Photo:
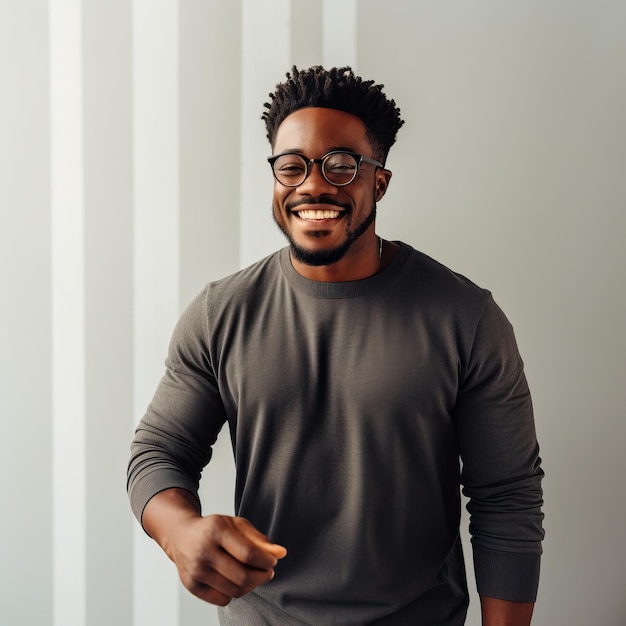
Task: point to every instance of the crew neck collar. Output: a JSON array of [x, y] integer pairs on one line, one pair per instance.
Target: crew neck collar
[[349, 289]]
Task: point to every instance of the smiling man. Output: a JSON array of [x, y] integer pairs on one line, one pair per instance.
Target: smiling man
[[363, 384]]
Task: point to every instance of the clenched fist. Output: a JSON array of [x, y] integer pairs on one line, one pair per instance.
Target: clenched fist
[[218, 557]]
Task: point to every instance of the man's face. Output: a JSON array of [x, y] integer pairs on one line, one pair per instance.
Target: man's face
[[324, 223]]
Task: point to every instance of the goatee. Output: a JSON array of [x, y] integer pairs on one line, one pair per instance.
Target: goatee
[[317, 258]]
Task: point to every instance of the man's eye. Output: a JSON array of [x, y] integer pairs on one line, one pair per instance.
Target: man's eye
[[340, 167], [291, 169]]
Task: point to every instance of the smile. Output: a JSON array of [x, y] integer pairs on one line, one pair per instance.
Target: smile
[[317, 214]]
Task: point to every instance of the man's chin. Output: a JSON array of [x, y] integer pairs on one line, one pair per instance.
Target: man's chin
[[318, 258]]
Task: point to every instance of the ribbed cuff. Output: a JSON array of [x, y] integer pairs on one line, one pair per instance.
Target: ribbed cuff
[[150, 484], [507, 575]]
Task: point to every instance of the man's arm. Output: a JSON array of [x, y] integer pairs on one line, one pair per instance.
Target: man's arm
[[501, 471], [504, 613], [218, 557]]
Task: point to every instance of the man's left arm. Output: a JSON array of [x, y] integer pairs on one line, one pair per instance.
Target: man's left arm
[[501, 472]]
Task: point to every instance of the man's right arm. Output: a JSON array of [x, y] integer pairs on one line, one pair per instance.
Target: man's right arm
[[218, 557]]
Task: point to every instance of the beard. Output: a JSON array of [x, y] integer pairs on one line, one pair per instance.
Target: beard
[[317, 258]]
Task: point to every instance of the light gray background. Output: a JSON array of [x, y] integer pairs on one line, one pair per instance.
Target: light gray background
[[132, 171]]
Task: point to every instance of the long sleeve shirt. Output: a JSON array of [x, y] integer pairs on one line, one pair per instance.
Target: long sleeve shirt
[[357, 411]]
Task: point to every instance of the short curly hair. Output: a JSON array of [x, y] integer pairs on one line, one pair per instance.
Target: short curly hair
[[336, 88]]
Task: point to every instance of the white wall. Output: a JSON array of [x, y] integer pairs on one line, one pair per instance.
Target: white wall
[[123, 128]]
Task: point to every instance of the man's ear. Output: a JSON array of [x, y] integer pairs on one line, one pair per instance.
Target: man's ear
[[383, 177]]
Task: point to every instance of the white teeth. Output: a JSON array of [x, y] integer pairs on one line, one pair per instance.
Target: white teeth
[[312, 214]]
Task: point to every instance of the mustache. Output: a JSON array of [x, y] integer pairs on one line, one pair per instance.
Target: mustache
[[313, 201]]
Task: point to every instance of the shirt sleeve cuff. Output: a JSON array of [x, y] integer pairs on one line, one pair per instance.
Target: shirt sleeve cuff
[[149, 485], [507, 575]]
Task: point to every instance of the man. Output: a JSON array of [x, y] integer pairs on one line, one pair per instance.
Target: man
[[353, 373]]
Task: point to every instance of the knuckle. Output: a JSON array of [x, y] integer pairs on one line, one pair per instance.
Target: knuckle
[[249, 554], [195, 571], [253, 579], [242, 580], [192, 584], [218, 599], [205, 592], [242, 522], [215, 524]]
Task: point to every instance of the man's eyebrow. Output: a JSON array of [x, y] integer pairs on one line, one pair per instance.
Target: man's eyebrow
[[290, 151], [331, 149], [342, 149]]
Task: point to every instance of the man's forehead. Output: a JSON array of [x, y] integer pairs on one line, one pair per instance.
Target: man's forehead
[[339, 128]]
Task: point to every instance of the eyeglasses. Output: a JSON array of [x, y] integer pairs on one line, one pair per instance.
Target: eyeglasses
[[339, 167]]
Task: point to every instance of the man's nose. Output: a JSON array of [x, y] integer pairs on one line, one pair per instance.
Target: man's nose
[[315, 184]]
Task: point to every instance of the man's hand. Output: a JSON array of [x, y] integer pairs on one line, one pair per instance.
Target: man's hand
[[218, 557]]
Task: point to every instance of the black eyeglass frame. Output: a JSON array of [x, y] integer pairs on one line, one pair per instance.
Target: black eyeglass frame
[[359, 159]]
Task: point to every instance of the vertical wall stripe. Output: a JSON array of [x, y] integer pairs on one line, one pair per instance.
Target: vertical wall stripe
[[107, 148], [265, 59], [25, 316], [68, 313], [210, 141], [156, 256]]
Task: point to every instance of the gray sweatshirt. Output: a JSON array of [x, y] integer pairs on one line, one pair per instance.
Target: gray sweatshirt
[[356, 412]]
